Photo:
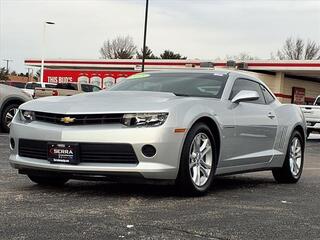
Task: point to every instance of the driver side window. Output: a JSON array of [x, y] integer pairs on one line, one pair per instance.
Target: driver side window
[[246, 84]]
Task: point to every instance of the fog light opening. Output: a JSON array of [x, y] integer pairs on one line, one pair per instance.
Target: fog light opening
[[148, 151], [12, 143]]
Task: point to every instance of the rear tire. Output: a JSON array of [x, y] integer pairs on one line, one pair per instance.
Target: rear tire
[[48, 180], [7, 116], [293, 164], [198, 161]]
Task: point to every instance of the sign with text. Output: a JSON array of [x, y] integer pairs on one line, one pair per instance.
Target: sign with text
[[298, 95], [101, 78]]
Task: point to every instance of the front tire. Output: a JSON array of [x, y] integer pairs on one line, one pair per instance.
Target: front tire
[[48, 180], [293, 165], [198, 161]]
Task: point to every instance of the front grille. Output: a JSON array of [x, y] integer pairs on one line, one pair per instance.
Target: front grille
[[78, 119], [33, 149], [115, 153], [88, 152]]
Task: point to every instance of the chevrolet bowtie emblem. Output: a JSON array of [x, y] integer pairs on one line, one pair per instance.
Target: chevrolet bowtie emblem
[[67, 120]]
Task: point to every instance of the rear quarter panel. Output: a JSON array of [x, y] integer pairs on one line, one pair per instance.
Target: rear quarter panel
[[289, 117]]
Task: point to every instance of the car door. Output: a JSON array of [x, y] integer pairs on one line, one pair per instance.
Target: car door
[[255, 126]]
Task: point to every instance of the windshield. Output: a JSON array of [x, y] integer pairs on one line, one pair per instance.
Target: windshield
[[181, 84], [68, 86], [317, 102], [32, 85]]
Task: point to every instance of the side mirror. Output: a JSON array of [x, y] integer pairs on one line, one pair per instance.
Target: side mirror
[[245, 95]]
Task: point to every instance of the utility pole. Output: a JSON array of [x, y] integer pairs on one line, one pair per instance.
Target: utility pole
[[44, 47], [7, 60], [29, 74], [145, 35]]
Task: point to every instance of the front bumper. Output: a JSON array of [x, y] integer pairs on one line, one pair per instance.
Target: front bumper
[[164, 165], [313, 124]]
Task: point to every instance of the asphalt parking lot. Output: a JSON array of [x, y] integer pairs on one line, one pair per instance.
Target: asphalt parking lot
[[247, 206]]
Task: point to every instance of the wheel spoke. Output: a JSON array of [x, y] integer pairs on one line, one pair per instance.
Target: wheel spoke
[[194, 174], [204, 164], [9, 115], [205, 151], [197, 144], [199, 176], [192, 165], [204, 171], [296, 166], [293, 149], [204, 145], [291, 164]]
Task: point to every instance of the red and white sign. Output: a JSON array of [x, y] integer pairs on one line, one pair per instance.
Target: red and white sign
[[104, 79]]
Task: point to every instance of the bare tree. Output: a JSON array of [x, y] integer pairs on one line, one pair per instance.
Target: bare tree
[[118, 48], [312, 50], [242, 56], [297, 49]]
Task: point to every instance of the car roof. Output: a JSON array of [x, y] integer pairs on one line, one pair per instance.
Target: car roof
[[220, 71], [8, 88]]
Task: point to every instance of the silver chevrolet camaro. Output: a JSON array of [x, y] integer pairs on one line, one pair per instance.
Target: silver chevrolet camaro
[[184, 127]]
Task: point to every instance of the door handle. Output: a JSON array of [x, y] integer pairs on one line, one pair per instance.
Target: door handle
[[271, 115]]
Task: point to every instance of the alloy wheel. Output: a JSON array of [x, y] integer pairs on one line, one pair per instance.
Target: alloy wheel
[[9, 116], [295, 158], [200, 159]]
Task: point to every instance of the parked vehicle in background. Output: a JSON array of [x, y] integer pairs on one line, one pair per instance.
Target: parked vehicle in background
[[312, 116], [65, 89], [14, 84], [10, 99], [30, 86]]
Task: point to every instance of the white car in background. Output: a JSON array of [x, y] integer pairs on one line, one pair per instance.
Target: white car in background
[[30, 86], [312, 116], [10, 100]]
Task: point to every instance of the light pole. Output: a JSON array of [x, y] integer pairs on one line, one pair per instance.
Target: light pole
[[43, 47], [145, 35]]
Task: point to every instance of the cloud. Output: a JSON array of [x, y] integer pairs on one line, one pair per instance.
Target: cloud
[[198, 29]]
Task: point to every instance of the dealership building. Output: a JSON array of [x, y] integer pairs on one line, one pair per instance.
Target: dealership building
[[293, 81]]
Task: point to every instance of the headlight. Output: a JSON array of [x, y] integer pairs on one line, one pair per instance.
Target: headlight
[[144, 119], [27, 116]]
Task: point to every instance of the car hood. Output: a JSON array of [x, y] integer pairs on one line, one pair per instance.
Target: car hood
[[105, 102]]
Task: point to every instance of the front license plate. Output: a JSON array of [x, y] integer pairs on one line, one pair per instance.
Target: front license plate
[[63, 153]]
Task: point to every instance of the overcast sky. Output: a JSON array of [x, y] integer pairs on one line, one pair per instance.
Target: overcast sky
[[205, 29]]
